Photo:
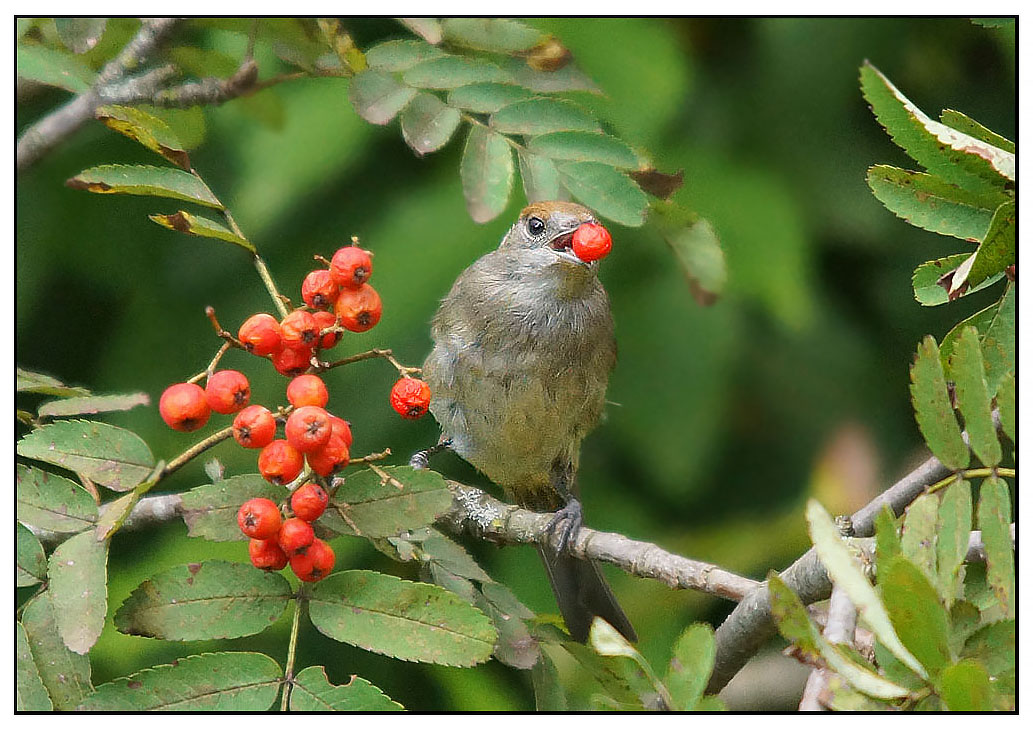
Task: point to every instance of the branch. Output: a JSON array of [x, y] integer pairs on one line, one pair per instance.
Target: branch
[[840, 627]]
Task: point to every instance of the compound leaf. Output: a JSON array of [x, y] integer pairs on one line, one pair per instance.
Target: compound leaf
[[997, 251], [312, 691]]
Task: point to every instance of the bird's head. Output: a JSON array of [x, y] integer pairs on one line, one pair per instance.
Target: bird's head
[[549, 226]]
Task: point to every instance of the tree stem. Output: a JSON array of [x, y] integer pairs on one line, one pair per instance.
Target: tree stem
[[288, 671]]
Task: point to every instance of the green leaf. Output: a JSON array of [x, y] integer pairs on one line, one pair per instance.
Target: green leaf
[[201, 226], [78, 586], [400, 55], [1006, 405], [495, 35], [378, 97], [997, 251], [887, 539], [449, 72], [692, 661], [954, 522], [846, 572], [568, 78], [436, 547], [487, 173], [995, 523], [115, 513], [542, 116], [204, 601], [926, 280], [382, 502], [30, 563], [539, 176], [548, 692], [614, 675], [52, 67], [147, 129], [946, 152], [207, 682], [66, 675], [996, 327], [514, 646], [965, 686], [964, 618], [629, 663], [993, 645], [92, 405], [486, 98], [609, 192], [427, 123], [585, 147], [29, 692], [110, 456], [27, 381], [427, 28], [959, 121], [189, 125], [145, 180], [210, 511], [916, 612], [929, 202], [933, 410], [313, 691], [918, 540], [703, 262], [50, 502], [80, 34], [966, 365], [407, 620]]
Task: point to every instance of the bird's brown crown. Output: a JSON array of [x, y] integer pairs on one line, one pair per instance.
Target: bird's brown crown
[[545, 209]]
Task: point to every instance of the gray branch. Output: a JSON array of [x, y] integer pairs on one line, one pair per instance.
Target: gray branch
[[840, 627]]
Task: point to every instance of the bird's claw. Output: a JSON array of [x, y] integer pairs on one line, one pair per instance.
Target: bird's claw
[[421, 459], [564, 526]]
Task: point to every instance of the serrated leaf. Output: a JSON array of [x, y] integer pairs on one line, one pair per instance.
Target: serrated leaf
[[995, 521], [846, 572], [702, 261], [929, 202], [51, 502], [994, 646], [449, 72], [145, 180], [548, 692], [933, 410], [427, 123], [312, 691], [78, 586], [609, 192], [400, 55], [204, 601], [887, 540], [115, 513], [427, 28], [916, 612], [966, 365], [29, 692], [373, 504], [954, 522], [92, 405], [52, 67], [147, 129], [495, 35], [486, 98], [487, 173], [584, 147], [27, 381], [210, 511], [965, 686], [918, 540], [964, 620], [504, 599], [538, 116], [692, 661], [514, 646], [377, 97], [206, 682], [540, 178], [66, 675], [1006, 405], [112, 457], [996, 327], [926, 280], [201, 226], [961, 122], [30, 563], [80, 34], [407, 620], [628, 663], [997, 251], [436, 547]]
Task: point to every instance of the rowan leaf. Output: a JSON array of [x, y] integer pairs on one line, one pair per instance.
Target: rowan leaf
[[1006, 405], [914, 608], [147, 129], [80, 34], [971, 127], [926, 280], [887, 538], [702, 261], [584, 147], [609, 192], [377, 97], [996, 327], [169, 182], [995, 523], [449, 72], [933, 410], [487, 173], [427, 123], [486, 98], [312, 691], [965, 686], [29, 692], [918, 540], [427, 28], [210, 511], [400, 55], [997, 251], [954, 522], [993, 645], [966, 366], [66, 675], [78, 586], [30, 563], [51, 502], [541, 115], [540, 178], [53, 67], [115, 513], [383, 502], [27, 381], [495, 35], [692, 661], [92, 404], [201, 226]]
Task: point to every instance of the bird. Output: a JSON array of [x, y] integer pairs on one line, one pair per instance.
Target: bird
[[523, 350]]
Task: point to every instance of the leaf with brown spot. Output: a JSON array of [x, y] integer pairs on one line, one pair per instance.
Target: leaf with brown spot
[[145, 180], [201, 226], [147, 129]]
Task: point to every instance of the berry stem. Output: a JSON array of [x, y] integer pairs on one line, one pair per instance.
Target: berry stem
[[207, 372], [970, 473], [267, 279], [373, 354], [194, 451], [288, 671], [371, 457]]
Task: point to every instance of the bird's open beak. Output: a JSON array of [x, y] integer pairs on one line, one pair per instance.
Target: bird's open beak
[[561, 245]]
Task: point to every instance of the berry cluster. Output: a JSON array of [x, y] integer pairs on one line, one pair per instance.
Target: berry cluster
[[276, 541]]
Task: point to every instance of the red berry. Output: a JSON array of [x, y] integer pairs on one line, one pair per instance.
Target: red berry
[[307, 390], [183, 407], [359, 309], [308, 428], [260, 334], [315, 563], [227, 391], [280, 463], [266, 554], [591, 242], [309, 501], [334, 455], [325, 320], [259, 519], [318, 290], [292, 362], [254, 427], [410, 397], [299, 330], [343, 428], [351, 267], [295, 535]]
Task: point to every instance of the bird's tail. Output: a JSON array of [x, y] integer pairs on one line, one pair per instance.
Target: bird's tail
[[582, 593]]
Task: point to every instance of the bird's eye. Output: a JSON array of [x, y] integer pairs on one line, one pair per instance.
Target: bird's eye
[[535, 226]]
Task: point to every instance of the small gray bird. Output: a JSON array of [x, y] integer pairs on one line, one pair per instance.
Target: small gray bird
[[523, 349]]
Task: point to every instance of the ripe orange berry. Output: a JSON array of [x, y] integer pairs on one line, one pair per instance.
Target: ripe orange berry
[[359, 309], [259, 518], [183, 407], [315, 563], [334, 455], [292, 362], [343, 428], [307, 428], [227, 391], [325, 320], [351, 267], [260, 334], [307, 390], [280, 463], [591, 242], [254, 427], [266, 555], [299, 330], [295, 536], [318, 290], [410, 397], [309, 501]]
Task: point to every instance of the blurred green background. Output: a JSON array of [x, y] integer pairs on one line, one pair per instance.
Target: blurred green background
[[724, 419]]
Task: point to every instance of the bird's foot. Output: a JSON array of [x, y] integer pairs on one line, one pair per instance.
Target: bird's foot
[[421, 459], [565, 525]]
